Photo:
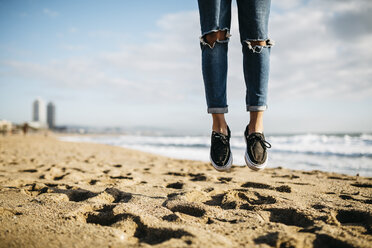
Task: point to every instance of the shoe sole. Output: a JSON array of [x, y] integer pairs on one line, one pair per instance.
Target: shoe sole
[[251, 165], [223, 168]]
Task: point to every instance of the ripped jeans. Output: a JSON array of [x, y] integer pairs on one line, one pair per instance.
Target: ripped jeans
[[253, 15]]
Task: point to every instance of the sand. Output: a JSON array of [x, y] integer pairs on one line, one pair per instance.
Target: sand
[[60, 194]]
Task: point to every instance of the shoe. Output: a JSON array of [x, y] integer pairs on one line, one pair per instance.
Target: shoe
[[256, 154], [220, 155]]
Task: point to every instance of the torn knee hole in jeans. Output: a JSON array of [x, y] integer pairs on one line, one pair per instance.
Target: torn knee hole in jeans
[[215, 38], [256, 46]]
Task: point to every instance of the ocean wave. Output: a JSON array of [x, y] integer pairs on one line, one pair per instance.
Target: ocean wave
[[311, 144], [344, 153]]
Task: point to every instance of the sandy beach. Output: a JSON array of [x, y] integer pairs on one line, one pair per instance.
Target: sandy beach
[[61, 194]]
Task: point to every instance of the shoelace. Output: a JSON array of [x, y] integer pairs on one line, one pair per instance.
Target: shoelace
[[258, 138], [222, 138]]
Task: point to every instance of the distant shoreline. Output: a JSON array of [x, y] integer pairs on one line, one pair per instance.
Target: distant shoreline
[[343, 154]]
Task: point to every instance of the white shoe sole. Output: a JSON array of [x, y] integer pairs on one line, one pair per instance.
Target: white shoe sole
[[250, 164], [223, 168], [253, 166]]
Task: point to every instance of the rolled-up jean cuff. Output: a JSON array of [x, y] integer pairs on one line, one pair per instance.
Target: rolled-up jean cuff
[[256, 108], [217, 110]]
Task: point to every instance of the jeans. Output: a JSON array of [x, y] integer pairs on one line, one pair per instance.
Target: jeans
[[253, 15]]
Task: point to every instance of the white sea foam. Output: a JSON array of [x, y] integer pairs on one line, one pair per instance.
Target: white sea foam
[[350, 154]]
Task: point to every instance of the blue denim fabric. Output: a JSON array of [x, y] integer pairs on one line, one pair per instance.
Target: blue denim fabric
[[253, 18]]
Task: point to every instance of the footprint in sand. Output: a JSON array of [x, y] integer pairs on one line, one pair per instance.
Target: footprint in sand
[[57, 178], [171, 218], [93, 182], [283, 188], [133, 226], [285, 176], [362, 185], [109, 195], [28, 170], [224, 179], [341, 178], [75, 195], [349, 197], [314, 172], [290, 217], [178, 174], [269, 239], [189, 208], [276, 239], [197, 177], [121, 177], [177, 185], [355, 218], [318, 206], [79, 170], [325, 240], [240, 199]]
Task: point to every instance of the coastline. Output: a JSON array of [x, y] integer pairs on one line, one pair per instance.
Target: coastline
[[55, 193], [343, 153]]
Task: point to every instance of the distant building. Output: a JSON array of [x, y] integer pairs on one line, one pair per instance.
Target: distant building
[[39, 113], [51, 115]]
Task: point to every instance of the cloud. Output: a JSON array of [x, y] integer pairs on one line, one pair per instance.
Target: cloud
[[164, 67], [286, 4], [70, 74], [50, 13], [167, 59], [352, 21], [315, 56]]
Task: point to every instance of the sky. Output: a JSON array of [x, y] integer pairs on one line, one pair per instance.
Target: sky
[[138, 64]]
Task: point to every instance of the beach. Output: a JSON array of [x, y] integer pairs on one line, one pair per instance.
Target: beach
[[69, 194]]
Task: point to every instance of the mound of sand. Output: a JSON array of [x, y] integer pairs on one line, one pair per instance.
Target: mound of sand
[[60, 194]]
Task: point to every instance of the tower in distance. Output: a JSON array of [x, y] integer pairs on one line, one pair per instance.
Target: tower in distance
[[51, 115]]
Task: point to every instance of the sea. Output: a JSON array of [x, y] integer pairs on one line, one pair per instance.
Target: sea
[[344, 153]]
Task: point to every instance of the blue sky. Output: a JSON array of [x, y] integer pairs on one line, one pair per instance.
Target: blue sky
[[137, 63]]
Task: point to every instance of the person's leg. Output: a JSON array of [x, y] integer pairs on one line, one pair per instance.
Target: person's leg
[[215, 19], [255, 122], [253, 27], [219, 123]]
